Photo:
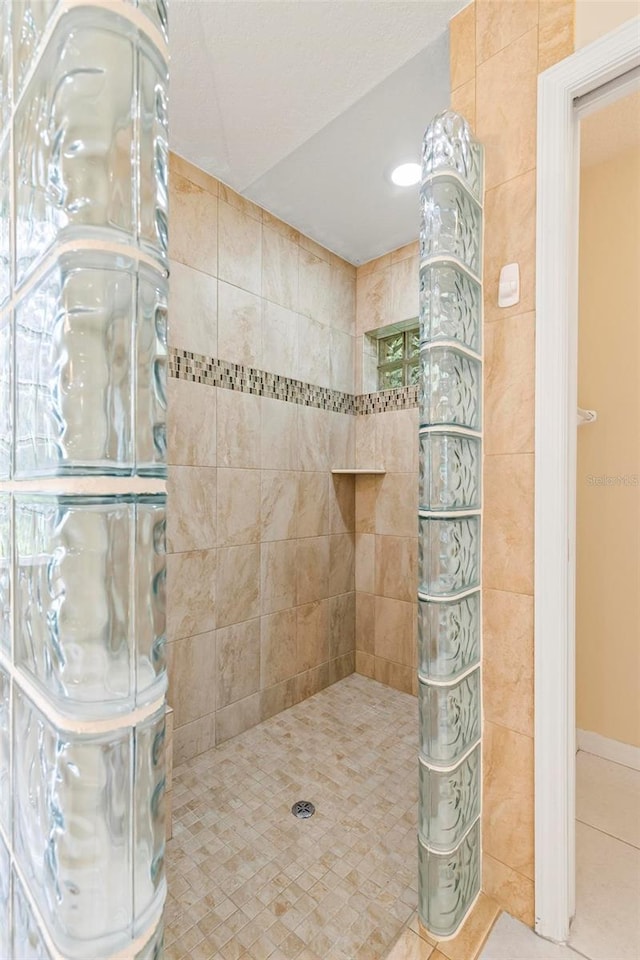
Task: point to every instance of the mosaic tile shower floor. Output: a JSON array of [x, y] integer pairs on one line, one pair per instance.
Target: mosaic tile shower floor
[[248, 881]]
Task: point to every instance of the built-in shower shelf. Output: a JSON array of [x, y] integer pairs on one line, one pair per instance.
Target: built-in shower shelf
[[353, 471]]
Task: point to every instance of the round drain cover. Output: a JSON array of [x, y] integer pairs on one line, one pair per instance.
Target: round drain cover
[[303, 809]]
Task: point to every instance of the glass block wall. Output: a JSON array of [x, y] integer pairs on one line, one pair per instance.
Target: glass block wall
[[449, 618], [83, 333]]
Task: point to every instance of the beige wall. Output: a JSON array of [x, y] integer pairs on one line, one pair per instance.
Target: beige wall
[[498, 48], [594, 18], [608, 528], [387, 507], [261, 603]]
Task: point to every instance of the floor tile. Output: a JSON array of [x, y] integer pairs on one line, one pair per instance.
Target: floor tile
[[607, 922], [247, 879], [512, 940], [608, 797]]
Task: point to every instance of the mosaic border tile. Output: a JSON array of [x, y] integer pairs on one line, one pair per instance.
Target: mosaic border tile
[[184, 365]]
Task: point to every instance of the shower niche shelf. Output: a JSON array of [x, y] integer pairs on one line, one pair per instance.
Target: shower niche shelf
[[360, 471]]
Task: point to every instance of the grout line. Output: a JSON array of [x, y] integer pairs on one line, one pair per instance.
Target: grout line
[[605, 833]]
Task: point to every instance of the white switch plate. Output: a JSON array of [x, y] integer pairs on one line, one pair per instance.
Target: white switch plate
[[509, 285]]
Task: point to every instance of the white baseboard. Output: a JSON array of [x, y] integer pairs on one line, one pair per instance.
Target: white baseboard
[[614, 750]]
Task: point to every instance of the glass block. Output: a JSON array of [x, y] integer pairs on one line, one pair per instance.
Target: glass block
[[449, 883], [154, 949], [392, 348], [5, 899], [30, 20], [391, 377], [94, 648], [449, 718], [448, 555], [448, 636], [27, 940], [451, 388], [74, 376], [5, 573], [413, 344], [5, 758], [450, 472], [149, 823], [153, 148], [450, 305], [451, 223], [5, 223], [449, 802], [156, 11], [449, 145], [414, 374], [6, 10], [74, 168], [6, 364], [72, 809], [151, 380]]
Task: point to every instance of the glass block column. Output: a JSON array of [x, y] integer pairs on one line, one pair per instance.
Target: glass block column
[[449, 624], [83, 344]]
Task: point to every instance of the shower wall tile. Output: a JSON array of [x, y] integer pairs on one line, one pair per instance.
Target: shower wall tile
[[238, 717], [191, 424], [313, 504], [404, 290], [341, 563], [191, 665], [191, 520], [190, 739], [397, 505], [555, 32], [314, 287], [373, 300], [279, 504], [191, 593], [280, 337], [312, 634], [238, 429], [507, 886], [279, 268], [343, 293], [507, 820], [365, 622], [238, 584], [239, 249], [194, 226], [508, 523], [237, 662], [193, 310], [278, 575], [397, 440], [241, 203], [513, 206], [279, 434], [508, 660], [238, 507], [396, 571], [312, 569], [509, 380], [342, 508], [394, 631], [462, 32], [341, 353], [239, 326], [342, 622], [278, 641], [500, 22], [365, 562], [463, 101], [179, 167]]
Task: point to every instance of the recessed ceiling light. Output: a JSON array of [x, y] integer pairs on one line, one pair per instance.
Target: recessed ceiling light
[[406, 174]]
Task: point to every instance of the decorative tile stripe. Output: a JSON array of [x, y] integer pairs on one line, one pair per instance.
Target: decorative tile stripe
[[184, 365]]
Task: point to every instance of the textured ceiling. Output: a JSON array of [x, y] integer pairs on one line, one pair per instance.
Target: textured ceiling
[[303, 105]]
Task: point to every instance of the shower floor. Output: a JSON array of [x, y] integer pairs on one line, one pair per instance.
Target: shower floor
[[249, 881]]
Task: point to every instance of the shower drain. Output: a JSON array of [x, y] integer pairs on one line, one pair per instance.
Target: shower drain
[[303, 809]]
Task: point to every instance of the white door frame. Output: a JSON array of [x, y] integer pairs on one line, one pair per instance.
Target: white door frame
[[555, 462]]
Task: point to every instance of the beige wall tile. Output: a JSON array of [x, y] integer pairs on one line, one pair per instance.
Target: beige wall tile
[[238, 428], [312, 634], [314, 298], [306, 243], [314, 354], [179, 167], [397, 505], [513, 891], [342, 434], [279, 697], [365, 622], [237, 661], [278, 653], [508, 523], [366, 441], [463, 101], [474, 932], [279, 493], [406, 252], [373, 266], [508, 660], [396, 567], [191, 423], [313, 504], [279, 269], [343, 301], [312, 569], [341, 353], [238, 507], [342, 504], [462, 46], [365, 664], [279, 340], [239, 202], [237, 717], [342, 667], [506, 125], [191, 665], [238, 584], [193, 310], [404, 290], [394, 630], [314, 439], [239, 248], [193, 738], [342, 625], [194, 226], [279, 226], [510, 214], [507, 822], [191, 520], [279, 434], [397, 440], [555, 32], [349, 269], [278, 575], [239, 326], [365, 545], [395, 675], [373, 300], [341, 563], [191, 593], [500, 22], [509, 381], [367, 492]]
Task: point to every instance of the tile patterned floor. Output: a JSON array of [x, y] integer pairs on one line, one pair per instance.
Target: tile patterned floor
[[247, 881]]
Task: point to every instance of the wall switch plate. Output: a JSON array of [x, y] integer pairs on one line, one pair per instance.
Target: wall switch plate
[[509, 285]]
